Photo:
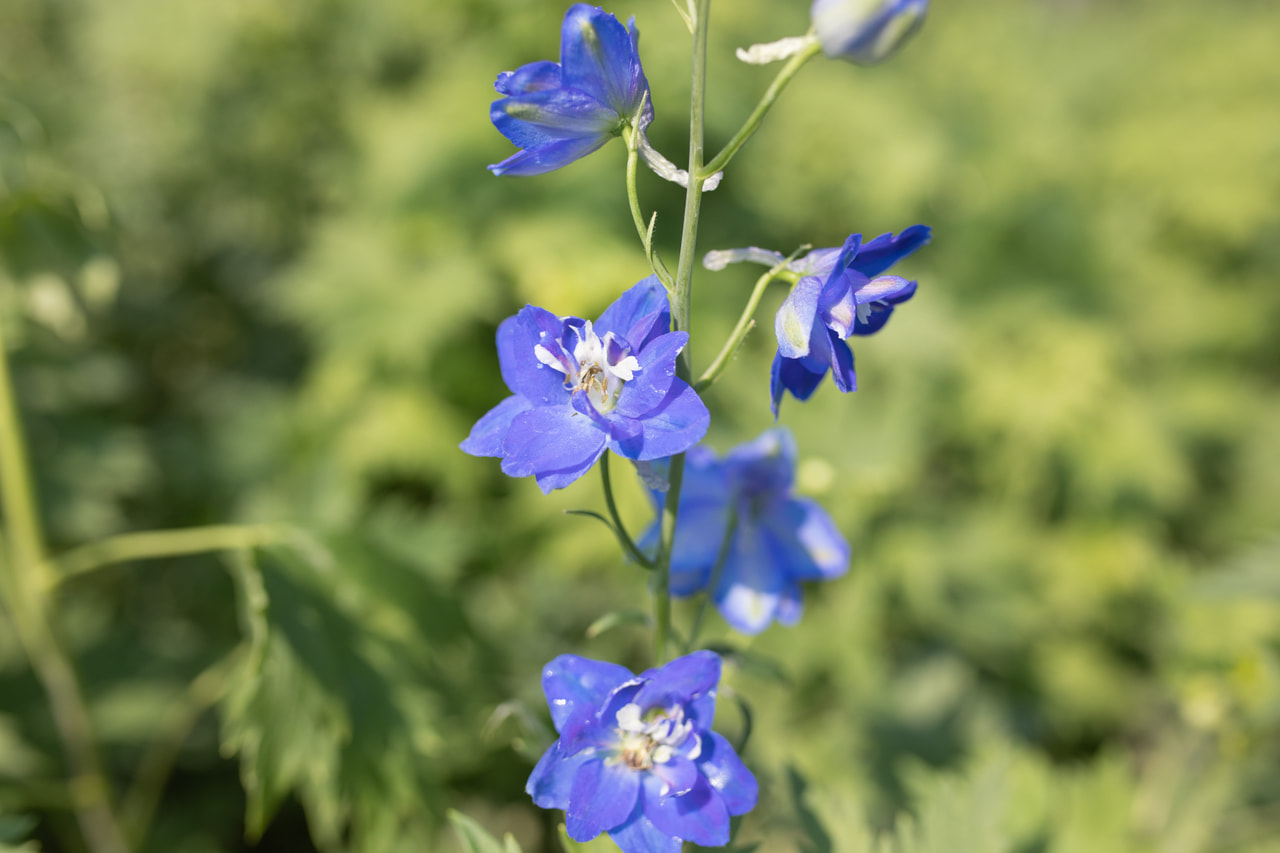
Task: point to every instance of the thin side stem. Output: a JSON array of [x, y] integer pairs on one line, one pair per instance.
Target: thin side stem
[[623, 536], [745, 323], [714, 582], [155, 544], [749, 127], [28, 605]]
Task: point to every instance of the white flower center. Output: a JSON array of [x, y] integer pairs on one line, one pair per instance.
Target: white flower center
[[597, 366], [652, 738]]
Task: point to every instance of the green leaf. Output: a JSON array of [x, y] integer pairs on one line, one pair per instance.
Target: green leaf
[[476, 839], [600, 844]]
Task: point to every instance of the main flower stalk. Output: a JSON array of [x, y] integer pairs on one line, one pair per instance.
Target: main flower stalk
[[680, 321]]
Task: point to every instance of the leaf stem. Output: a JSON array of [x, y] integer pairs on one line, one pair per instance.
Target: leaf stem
[[25, 590], [749, 127], [633, 200], [155, 544]]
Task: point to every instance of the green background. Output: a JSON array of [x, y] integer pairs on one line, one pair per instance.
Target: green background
[[251, 265]]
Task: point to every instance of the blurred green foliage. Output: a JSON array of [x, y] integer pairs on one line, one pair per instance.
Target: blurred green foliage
[[251, 265]]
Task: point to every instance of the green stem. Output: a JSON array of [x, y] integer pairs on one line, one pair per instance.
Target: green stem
[[25, 591], [662, 577], [749, 127], [168, 543], [625, 538], [633, 201], [745, 324], [714, 582]]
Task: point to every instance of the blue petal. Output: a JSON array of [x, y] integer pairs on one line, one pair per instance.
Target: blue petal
[[699, 816], [676, 777], [752, 583], [794, 322], [551, 781], [822, 540], [765, 466], [489, 432], [598, 56], [521, 370], [886, 250], [534, 77], [603, 796], [794, 375], [551, 440], [674, 426], [727, 774], [790, 605], [576, 686], [541, 117], [639, 835], [836, 353], [548, 157], [681, 680], [882, 310], [638, 315], [657, 371], [699, 534]]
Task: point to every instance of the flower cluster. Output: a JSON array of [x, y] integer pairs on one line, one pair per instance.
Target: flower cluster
[[775, 539], [636, 756]]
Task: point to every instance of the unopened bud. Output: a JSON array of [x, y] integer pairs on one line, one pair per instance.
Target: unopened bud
[[865, 31]]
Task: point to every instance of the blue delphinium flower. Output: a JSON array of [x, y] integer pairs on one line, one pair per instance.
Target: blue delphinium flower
[[579, 387], [842, 293], [636, 757], [560, 111], [865, 31], [778, 539]]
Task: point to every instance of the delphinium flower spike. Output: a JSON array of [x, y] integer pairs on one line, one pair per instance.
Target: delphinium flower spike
[[636, 756], [557, 112], [580, 387], [842, 293], [777, 539]]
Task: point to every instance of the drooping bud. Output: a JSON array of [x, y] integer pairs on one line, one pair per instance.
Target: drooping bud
[[865, 31]]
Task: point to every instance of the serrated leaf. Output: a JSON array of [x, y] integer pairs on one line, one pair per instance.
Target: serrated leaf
[[341, 700], [476, 839]]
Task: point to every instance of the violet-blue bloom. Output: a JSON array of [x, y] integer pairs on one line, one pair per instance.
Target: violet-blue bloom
[[636, 757], [580, 387], [557, 112], [842, 293], [778, 539], [865, 31]]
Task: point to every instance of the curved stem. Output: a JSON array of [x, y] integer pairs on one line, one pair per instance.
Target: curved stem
[[745, 323], [155, 544], [662, 577], [716, 571], [624, 537], [633, 201], [749, 127]]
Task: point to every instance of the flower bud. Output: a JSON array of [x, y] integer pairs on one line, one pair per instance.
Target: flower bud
[[865, 31]]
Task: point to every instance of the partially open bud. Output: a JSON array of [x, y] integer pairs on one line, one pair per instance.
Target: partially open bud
[[865, 31]]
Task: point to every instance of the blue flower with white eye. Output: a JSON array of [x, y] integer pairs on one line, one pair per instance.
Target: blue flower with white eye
[[560, 111], [580, 387], [842, 293], [865, 31], [636, 757], [778, 539]]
